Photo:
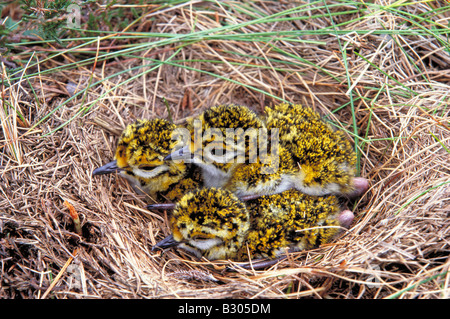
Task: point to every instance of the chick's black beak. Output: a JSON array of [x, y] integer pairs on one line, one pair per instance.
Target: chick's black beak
[[167, 242], [183, 153], [161, 206], [109, 168]]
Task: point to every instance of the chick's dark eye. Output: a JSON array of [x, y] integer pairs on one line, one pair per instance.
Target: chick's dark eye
[[146, 167], [200, 237]]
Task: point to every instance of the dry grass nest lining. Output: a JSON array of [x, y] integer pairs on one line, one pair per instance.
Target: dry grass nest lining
[[398, 244]]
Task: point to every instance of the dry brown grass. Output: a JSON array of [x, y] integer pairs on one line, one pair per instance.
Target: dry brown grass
[[398, 245]]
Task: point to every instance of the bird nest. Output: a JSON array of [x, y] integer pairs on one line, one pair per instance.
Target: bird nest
[[392, 87]]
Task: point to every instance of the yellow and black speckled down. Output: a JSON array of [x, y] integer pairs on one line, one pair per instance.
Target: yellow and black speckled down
[[215, 224], [290, 220], [325, 158], [259, 178], [144, 142]]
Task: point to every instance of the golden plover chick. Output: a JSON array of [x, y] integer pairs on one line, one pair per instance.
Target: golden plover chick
[[226, 133], [140, 159], [324, 161]]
